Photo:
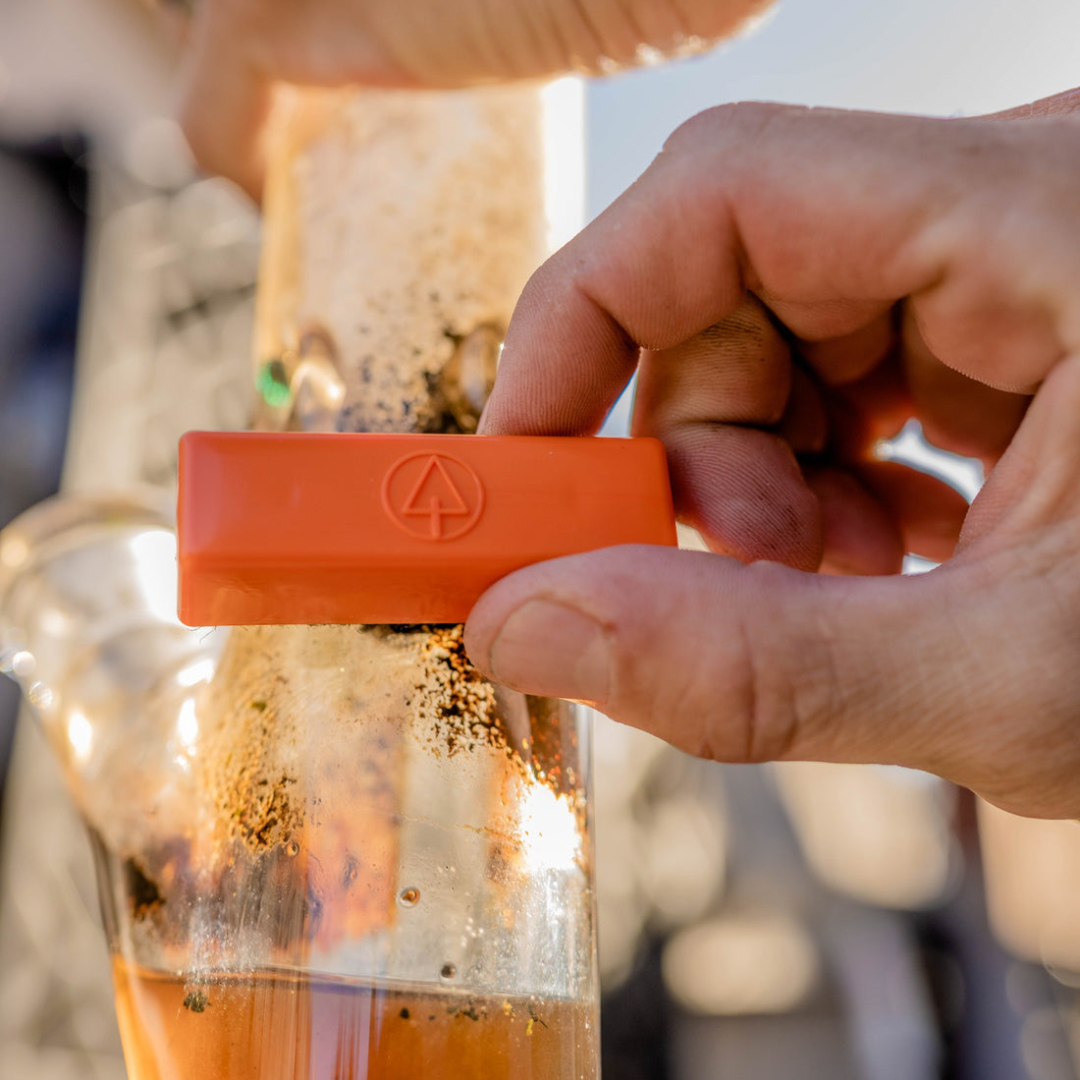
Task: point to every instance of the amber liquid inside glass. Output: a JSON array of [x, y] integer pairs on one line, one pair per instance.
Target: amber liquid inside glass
[[286, 1027]]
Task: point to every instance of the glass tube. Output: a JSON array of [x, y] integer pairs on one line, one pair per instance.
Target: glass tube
[[337, 851]]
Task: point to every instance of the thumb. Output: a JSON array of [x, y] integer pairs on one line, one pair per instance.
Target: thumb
[[728, 661], [965, 671]]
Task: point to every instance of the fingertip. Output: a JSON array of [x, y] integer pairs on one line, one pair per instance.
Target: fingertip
[[743, 490], [565, 360], [860, 535], [929, 512], [485, 620], [551, 649], [495, 606], [225, 104]]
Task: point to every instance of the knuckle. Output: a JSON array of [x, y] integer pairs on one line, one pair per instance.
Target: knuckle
[[772, 720], [739, 120], [719, 695]]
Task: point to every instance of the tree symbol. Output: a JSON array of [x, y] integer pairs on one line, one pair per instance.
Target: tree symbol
[[435, 496]]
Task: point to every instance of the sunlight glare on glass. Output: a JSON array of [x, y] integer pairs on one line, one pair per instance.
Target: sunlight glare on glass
[[549, 830], [80, 735], [23, 664], [155, 569], [187, 725], [193, 674]]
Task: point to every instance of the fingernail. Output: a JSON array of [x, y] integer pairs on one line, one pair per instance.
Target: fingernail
[[554, 651]]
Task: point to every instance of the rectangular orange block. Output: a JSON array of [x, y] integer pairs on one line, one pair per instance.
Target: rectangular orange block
[[343, 528]]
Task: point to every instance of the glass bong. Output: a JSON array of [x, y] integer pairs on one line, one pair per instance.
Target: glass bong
[[333, 852]]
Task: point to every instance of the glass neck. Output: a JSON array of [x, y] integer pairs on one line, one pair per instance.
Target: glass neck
[[400, 229]]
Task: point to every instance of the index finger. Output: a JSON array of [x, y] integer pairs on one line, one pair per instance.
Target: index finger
[[830, 218]]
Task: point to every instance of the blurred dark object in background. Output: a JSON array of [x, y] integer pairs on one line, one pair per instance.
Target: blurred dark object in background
[[43, 217]]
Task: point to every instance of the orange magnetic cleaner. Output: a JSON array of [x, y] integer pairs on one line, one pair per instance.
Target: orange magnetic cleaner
[[342, 528]]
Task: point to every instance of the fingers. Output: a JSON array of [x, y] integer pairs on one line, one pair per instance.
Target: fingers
[[743, 491], [805, 423], [860, 533], [1033, 489], [746, 663], [957, 413], [570, 395], [737, 371], [739, 487], [240, 49], [850, 357], [226, 100], [752, 663], [878, 208], [1056, 105], [929, 513]]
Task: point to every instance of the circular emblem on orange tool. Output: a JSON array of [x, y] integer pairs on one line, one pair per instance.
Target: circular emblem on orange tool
[[432, 496]]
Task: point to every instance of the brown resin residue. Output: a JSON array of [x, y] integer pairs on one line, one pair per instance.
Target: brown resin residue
[[553, 744], [402, 228], [405, 226], [261, 806], [456, 701], [142, 891], [462, 712], [305, 779]]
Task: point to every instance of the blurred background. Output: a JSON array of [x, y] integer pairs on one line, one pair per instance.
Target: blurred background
[[799, 922]]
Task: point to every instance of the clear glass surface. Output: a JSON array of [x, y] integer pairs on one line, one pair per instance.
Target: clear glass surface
[[338, 851]]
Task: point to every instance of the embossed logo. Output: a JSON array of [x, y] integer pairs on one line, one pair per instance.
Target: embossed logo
[[433, 496]]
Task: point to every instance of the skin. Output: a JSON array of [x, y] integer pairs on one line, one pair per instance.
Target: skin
[[240, 48], [793, 285]]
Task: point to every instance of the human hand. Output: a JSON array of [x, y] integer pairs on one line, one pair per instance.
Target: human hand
[[802, 282], [240, 48]]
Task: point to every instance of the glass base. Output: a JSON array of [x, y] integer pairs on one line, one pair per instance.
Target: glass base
[[275, 1025]]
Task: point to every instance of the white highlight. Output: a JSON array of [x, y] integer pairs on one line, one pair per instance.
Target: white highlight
[[187, 725], [41, 697], [193, 674], [550, 838], [911, 448], [80, 736], [155, 570], [23, 664]]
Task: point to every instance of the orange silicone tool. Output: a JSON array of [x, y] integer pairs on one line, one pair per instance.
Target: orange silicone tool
[[328, 528]]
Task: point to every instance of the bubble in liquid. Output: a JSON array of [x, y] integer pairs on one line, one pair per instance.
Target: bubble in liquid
[[409, 897], [448, 971]]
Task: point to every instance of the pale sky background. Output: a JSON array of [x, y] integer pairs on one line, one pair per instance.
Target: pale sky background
[[940, 57]]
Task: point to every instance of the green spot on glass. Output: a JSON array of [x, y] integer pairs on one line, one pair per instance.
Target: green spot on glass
[[272, 383]]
